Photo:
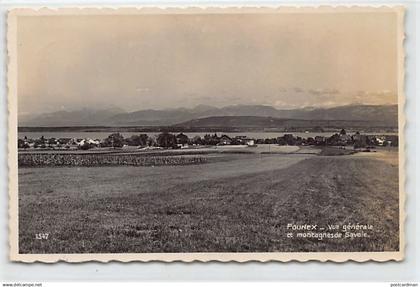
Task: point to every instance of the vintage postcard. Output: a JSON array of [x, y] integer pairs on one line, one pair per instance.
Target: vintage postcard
[[227, 134]]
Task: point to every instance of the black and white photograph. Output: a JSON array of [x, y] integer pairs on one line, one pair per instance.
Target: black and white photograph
[[206, 134]]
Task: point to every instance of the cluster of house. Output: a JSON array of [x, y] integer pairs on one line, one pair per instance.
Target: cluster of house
[[341, 139], [168, 140], [223, 140], [66, 143]]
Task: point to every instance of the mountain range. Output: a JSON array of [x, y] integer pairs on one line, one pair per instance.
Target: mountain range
[[203, 115]]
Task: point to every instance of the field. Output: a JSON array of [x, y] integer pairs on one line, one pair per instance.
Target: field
[[51, 159], [241, 202]]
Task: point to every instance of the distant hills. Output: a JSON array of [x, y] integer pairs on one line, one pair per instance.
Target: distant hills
[[209, 116], [84, 117], [267, 123]]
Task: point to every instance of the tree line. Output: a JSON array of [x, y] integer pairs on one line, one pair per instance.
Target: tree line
[[171, 140]]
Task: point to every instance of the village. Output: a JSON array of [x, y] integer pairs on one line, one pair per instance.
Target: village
[[168, 140]]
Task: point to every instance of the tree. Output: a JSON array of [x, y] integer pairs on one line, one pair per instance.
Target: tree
[[151, 141], [85, 146], [39, 143], [182, 139], [166, 140], [197, 140], [51, 142], [21, 143], [394, 141], [211, 139], [113, 140], [137, 140], [143, 139]]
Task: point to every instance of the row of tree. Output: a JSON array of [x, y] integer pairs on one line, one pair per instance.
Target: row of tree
[[163, 140], [169, 140]]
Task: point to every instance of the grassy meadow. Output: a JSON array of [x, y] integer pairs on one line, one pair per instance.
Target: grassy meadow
[[234, 202]]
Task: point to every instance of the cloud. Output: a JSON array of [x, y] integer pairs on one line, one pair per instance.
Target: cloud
[[142, 90], [320, 92]]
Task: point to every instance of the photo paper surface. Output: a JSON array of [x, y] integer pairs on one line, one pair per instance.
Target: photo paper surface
[[227, 134]]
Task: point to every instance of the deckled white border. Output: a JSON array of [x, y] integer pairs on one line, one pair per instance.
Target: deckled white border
[[189, 257]]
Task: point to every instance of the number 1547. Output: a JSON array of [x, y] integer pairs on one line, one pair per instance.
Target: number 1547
[[41, 235]]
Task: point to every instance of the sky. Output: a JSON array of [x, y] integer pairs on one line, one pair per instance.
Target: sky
[[166, 61]]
